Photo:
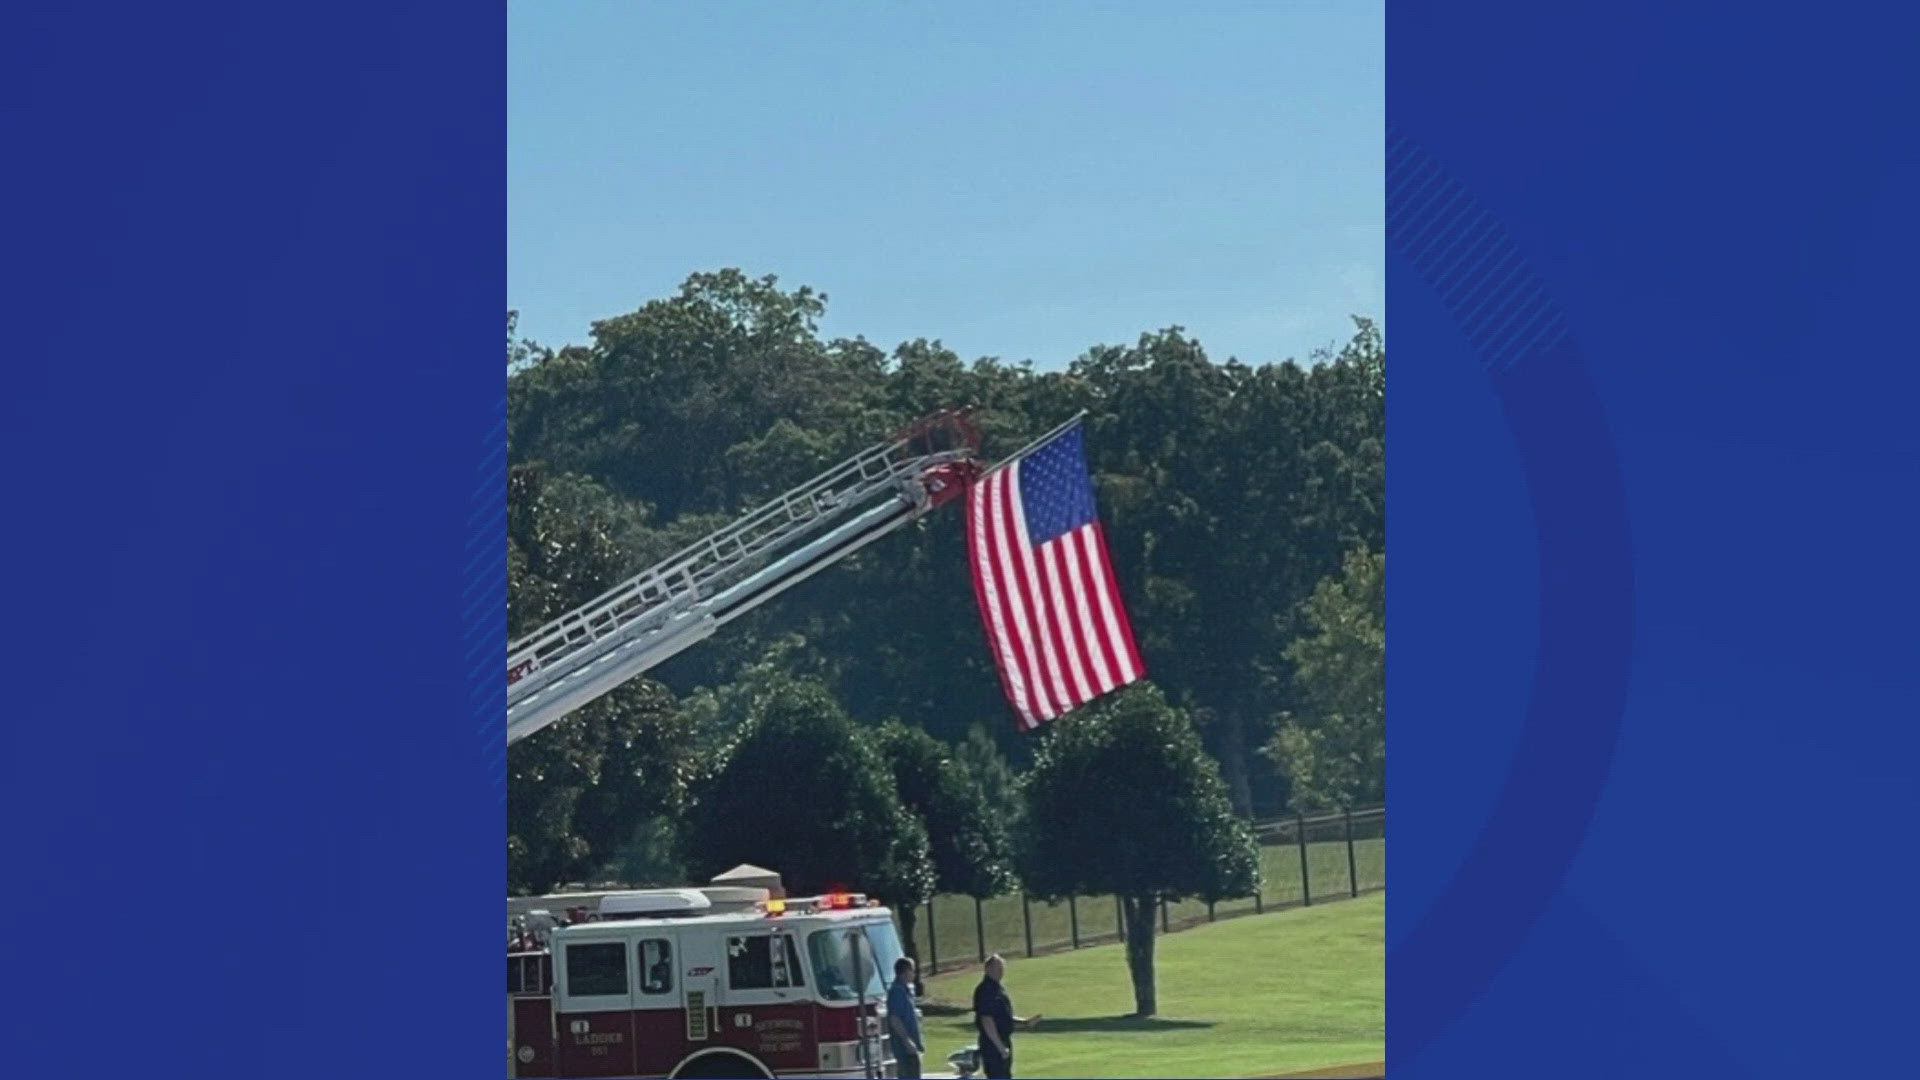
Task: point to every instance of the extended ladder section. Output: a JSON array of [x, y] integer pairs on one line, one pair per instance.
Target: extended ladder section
[[680, 602]]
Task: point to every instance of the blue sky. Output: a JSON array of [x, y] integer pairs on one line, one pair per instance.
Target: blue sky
[[1020, 181]]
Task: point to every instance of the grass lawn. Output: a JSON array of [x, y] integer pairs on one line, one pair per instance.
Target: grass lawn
[[1254, 996]]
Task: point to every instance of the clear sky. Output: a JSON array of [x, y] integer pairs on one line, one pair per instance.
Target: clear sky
[[1020, 181]]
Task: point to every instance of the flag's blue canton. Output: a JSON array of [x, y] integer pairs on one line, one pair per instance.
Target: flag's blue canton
[[1055, 490]]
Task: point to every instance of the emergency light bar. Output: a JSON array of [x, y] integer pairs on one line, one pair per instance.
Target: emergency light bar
[[829, 902]]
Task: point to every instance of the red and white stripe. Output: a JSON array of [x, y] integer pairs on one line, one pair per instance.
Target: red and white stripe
[[1055, 622]]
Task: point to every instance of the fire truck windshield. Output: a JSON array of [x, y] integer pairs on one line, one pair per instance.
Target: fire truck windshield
[[833, 960]]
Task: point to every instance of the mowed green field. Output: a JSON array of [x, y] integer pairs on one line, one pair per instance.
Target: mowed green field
[[1257, 996], [959, 942]]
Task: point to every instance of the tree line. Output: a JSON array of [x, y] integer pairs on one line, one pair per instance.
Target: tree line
[[852, 733]]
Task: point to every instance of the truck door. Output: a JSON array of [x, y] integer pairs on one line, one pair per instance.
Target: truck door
[[659, 1024], [594, 986], [767, 1010]]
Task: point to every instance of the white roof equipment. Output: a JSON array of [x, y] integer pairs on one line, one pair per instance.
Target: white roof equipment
[[735, 898], [654, 904]]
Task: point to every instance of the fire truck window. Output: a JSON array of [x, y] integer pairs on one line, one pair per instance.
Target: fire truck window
[[750, 963], [763, 962], [656, 966], [834, 960], [833, 964], [596, 970]]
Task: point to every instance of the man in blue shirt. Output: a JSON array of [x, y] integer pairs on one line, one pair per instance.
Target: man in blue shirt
[[903, 1022]]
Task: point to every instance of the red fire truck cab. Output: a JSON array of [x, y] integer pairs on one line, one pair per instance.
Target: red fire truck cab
[[707, 983]]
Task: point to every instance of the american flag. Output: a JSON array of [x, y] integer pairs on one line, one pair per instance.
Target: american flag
[[1054, 618]]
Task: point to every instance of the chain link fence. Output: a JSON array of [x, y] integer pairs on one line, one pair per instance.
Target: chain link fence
[[1303, 861]]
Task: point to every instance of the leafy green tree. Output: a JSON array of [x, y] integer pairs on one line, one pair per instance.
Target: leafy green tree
[[979, 758], [1229, 491], [652, 408], [721, 715], [805, 793], [568, 540], [520, 351], [578, 792], [1123, 799], [581, 791], [966, 836], [1334, 748]]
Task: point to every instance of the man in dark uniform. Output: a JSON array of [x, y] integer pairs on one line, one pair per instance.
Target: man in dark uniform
[[993, 1017]]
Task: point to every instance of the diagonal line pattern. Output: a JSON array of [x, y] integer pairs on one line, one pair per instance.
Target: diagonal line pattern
[[1468, 258], [484, 599]]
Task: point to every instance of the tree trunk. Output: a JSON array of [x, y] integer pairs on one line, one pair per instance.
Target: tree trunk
[[1233, 762], [907, 914], [1139, 915]]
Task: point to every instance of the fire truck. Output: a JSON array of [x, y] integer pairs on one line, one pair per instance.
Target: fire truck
[[716, 982]]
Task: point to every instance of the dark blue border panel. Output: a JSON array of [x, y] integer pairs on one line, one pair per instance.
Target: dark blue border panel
[[1652, 469], [251, 422]]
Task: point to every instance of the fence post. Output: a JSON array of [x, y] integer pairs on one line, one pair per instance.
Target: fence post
[[1300, 834], [933, 942], [1209, 911], [980, 927], [1353, 872], [1119, 918], [1164, 927], [1026, 918], [1073, 919]]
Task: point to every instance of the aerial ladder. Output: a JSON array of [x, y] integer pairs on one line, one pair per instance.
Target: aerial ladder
[[683, 600]]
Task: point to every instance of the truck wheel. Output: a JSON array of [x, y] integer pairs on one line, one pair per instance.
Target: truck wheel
[[721, 1067]]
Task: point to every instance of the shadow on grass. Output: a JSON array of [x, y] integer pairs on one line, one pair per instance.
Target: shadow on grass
[[1072, 1024], [1069, 1024]]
